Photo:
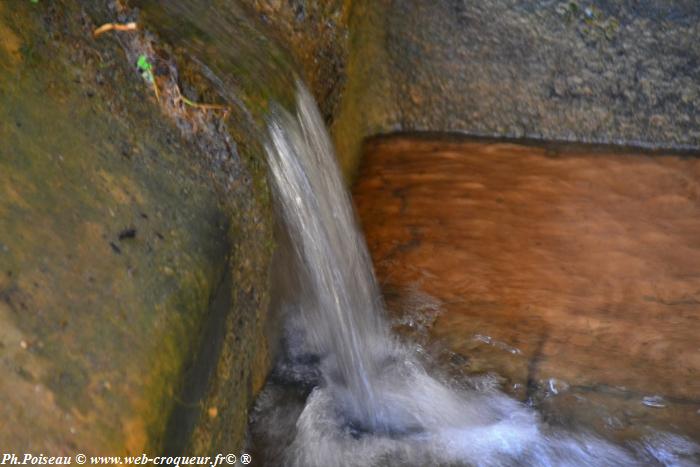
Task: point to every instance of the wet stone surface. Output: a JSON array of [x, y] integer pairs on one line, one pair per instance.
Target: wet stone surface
[[571, 274], [135, 232], [588, 71], [595, 71]]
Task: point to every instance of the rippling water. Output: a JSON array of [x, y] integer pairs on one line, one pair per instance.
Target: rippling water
[[346, 391]]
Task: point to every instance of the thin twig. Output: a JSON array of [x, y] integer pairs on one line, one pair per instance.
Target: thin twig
[[202, 106], [114, 27], [155, 88]]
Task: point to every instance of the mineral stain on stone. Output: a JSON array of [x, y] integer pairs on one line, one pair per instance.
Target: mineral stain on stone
[[101, 305], [584, 259]]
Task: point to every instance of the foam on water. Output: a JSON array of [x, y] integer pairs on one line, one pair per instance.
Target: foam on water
[[346, 392]]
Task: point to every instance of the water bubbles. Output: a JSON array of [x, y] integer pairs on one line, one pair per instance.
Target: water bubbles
[[556, 386], [669, 450], [654, 401], [497, 344], [348, 393]]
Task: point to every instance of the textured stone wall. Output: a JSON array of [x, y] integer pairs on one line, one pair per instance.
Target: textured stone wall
[[135, 229], [600, 71]]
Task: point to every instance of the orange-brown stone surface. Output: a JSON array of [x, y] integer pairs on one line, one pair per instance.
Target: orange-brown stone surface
[[549, 262]]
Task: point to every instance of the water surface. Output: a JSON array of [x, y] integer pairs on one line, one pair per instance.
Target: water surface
[[571, 273], [347, 391]]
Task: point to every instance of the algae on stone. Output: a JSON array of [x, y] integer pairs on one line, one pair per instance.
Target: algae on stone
[[117, 251]]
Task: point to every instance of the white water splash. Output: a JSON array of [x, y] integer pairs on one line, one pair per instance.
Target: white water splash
[[361, 398]]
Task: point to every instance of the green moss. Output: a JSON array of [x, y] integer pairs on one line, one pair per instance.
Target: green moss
[[367, 105], [107, 323]]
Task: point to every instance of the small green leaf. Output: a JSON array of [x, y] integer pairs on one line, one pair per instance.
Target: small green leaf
[[146, 68], [143, 64]]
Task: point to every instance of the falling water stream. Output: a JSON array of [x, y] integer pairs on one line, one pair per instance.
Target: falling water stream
[[346, 391]]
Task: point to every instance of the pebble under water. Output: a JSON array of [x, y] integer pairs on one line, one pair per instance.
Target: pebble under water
[[346, 391]]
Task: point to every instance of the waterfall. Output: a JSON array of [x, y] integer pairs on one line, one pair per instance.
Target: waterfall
[[365, 399], [330, 254]]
